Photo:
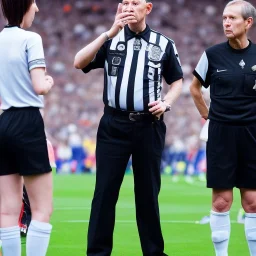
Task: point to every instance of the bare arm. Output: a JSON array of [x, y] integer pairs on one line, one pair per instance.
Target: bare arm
[[41, 82], [196, 92], [159, 107], [87, 54]]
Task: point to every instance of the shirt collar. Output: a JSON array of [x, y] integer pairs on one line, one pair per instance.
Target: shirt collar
[[130, 34], [11, 26], [240, 50]]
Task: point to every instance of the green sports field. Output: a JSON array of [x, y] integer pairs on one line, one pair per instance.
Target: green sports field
[[181, 205]]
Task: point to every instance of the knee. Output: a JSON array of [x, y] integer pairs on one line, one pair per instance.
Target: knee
[[221, 204], [9, 214], [249, 205], [220, 236], [11, 208]]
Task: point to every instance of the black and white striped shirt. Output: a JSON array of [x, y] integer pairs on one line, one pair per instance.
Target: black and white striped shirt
[[134, 65]]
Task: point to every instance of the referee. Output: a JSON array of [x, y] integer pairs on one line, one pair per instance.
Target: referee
[[229, 69], [134, 58]]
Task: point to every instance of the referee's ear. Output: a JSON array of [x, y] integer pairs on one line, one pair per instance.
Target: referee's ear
[[149, 7], [249, 23]]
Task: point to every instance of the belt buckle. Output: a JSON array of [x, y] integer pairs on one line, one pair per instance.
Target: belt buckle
[[132, 116]]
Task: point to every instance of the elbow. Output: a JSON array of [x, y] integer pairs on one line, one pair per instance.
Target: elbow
[[40, 90], [195, 93], [192, 90], [77, 63]]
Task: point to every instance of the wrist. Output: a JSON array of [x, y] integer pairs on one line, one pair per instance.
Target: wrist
[[106, 36], [205, 115], [167, 106]]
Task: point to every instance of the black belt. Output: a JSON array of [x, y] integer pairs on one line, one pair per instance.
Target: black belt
[[131, 115], [20, 108]]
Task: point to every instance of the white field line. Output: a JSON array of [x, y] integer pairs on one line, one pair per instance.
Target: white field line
[[71, 208], [133, 221]]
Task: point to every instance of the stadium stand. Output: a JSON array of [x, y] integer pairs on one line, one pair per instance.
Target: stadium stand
[[74, 106]]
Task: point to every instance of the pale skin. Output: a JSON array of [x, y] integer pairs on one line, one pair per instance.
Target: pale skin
[[133, 13], [235, 29], [42, 83], [39, 187]]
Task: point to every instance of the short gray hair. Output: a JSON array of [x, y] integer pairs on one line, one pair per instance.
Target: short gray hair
[[248, 10]]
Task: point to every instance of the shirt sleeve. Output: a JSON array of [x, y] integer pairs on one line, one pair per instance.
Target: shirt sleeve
[[99, 59], [35, 52], [172, 67], [201, 71]]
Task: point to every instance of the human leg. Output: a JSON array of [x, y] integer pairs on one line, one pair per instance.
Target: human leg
[[222, 166], [32, 156], [220, 220], [147, 150], [39, 189], [248, 198], [10, 187], [246, 181], [112, 155]]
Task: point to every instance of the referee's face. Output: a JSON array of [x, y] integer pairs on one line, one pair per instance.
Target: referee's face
[[234, 25], [140, 8]]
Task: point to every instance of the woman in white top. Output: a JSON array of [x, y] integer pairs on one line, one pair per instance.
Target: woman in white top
[[23, 146]]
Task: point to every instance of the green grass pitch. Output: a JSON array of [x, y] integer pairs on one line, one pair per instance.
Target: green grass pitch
[[181, 204]]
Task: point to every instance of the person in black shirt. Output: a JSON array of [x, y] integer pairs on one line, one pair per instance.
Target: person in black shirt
[[229, 69], [134, 58]]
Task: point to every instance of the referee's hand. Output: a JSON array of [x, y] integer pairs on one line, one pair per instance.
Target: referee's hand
[[157, 108], [121, 19]]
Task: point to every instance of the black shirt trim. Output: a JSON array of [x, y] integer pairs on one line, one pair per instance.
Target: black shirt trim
[[11, 26]]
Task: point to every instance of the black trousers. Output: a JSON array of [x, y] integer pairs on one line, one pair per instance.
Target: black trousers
[[118, 138]]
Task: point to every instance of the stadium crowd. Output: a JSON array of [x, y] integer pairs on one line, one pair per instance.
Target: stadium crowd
[[74, 106]]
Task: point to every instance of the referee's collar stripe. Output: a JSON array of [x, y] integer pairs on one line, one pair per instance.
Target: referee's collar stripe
[[144, 34]]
